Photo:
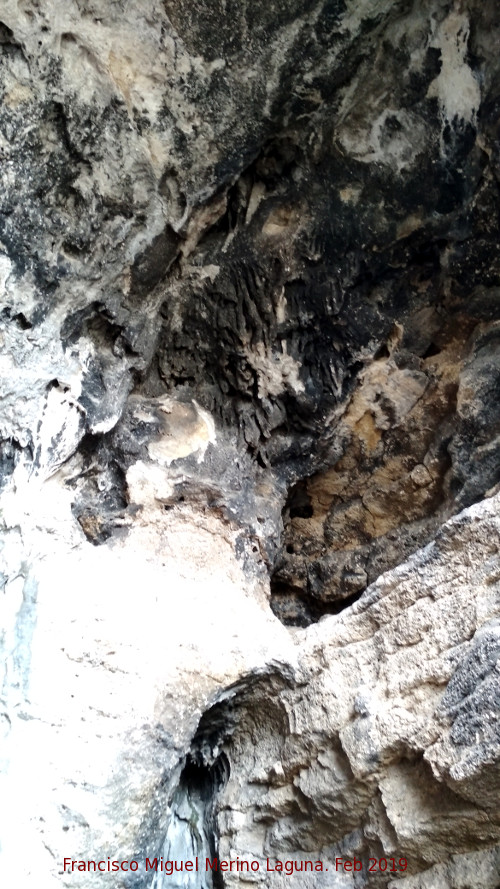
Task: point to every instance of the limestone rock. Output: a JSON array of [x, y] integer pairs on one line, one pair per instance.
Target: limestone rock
[[250, 441]]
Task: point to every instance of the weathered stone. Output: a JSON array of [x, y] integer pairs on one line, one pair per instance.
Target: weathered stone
[[249, 439]]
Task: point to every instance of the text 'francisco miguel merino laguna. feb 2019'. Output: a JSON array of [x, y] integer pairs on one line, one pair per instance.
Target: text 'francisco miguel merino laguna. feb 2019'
[[168, 867]]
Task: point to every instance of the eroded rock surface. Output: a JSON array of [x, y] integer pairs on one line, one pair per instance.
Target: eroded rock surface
[[250, 438]]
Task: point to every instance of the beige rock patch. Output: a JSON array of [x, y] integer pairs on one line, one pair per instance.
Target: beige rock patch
[[187, 429]]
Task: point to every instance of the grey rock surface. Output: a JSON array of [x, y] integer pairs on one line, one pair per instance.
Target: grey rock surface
[[250, 441]]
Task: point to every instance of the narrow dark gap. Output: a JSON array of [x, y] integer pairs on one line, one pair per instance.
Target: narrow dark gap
[[192, 836], [21, 321], [192, 831], [298, 503], [431, 351], [10, 454], [100, 490], [294, 609]]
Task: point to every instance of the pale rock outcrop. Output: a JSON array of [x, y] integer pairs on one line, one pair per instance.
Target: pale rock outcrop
[[250, 440]]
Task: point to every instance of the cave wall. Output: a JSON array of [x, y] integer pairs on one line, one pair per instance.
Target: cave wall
[[250, 437]]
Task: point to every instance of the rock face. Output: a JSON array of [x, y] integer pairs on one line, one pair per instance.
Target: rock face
[[250, 443]]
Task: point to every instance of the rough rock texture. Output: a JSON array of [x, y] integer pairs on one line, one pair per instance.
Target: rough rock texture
[[250, 439], [385, 743]]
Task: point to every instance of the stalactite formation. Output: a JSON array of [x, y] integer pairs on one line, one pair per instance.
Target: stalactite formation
[[250, 443]]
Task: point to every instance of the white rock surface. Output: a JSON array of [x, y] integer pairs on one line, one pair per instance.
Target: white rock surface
[[374, 733], [249, 360]]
